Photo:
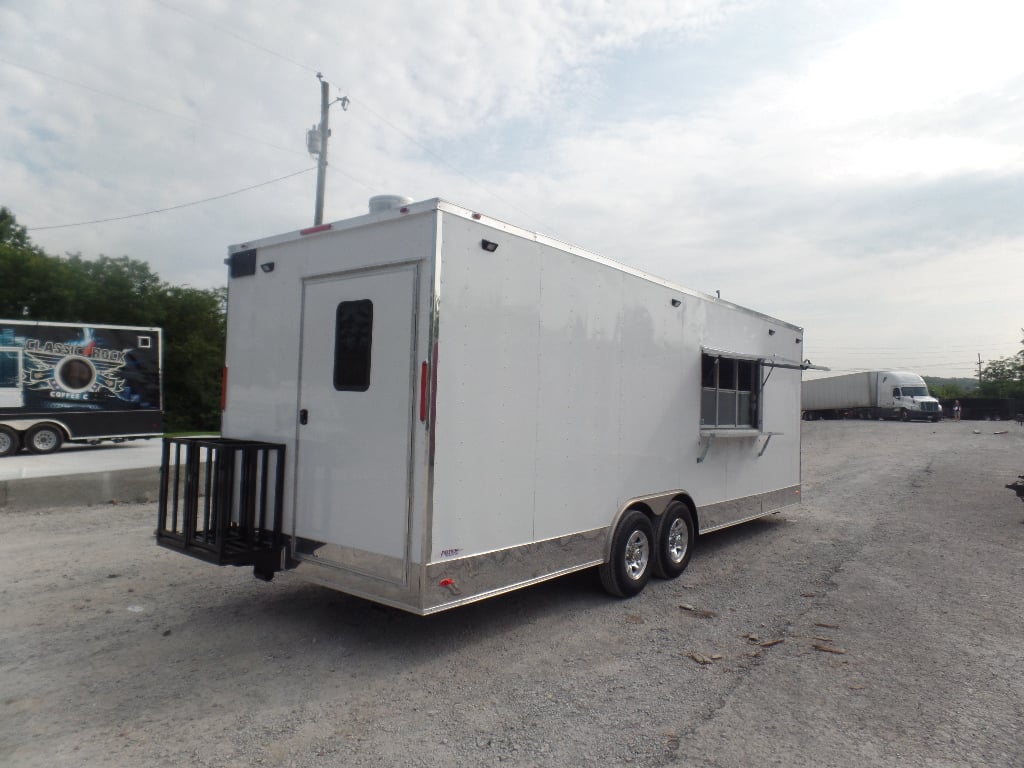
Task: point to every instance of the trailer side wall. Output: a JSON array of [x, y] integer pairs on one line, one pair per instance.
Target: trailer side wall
[[567, 387]]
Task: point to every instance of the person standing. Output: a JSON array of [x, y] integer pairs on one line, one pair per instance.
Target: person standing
[[956, 410]]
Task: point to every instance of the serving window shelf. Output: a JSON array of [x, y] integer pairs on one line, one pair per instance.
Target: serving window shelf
[[708, 436]]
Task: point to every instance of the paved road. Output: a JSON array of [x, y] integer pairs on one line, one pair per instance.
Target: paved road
[[877, 624], [81, 474], [74, 459]]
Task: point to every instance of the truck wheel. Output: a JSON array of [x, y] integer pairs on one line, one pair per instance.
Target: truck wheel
[[674, 537], [44, 438], [629, 568], [9, 442], [904, 415]]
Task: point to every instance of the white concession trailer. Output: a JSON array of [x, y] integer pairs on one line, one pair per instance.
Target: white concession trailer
[[425, 407]]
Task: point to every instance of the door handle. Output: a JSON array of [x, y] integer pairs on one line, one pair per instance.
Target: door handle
[[303, 416]]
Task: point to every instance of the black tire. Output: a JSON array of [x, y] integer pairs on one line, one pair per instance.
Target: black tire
[[44, 438], [9, 442], [632, 556], [674, 535], [904, 415]]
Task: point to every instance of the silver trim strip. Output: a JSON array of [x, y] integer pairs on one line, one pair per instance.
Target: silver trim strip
[[435, 587], [434, 328], [404, 596], [493, 573], [714, 517], [450, 583]]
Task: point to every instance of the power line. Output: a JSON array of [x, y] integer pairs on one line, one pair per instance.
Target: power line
[[172, 207], [143, 105], [270, 52], [231, 33], [966, 346], [158, 110]]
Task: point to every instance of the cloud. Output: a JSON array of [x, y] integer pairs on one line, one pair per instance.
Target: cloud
[[809, 159]]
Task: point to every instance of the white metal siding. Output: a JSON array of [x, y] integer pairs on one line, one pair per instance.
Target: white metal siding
[[567, 386], [264, 322], [487, 385]]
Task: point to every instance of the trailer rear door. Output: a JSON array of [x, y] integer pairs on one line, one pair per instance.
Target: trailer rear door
[[355, 420]]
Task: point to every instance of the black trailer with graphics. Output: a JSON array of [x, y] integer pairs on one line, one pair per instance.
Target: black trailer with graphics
[[77, 382]]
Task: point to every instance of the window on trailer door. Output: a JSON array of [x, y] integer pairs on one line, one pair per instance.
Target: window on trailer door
[[729, 392], [353, 344], [10, 368]]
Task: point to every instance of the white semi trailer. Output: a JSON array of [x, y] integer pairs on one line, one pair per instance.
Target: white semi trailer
[[870, 395], [425, 407]]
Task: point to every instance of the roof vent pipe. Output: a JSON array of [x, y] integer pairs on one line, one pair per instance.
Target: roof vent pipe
[[380, 203]]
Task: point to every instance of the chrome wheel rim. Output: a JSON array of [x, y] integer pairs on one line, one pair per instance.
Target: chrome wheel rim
[[638, 553], [676, 541], [44, 440]]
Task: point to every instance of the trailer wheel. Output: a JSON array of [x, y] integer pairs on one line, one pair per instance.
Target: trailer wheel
[[9, 442], [632, 558], [44, 438], [674, 536]]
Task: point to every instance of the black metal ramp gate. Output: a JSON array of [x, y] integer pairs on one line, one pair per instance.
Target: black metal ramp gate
[[221, 501]]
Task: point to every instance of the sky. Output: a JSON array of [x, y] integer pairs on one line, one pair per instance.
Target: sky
[[854, 168]]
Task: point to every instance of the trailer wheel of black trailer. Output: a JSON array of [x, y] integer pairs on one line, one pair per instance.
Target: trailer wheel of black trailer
[[674, 536], [44, 438], [9, 442], [632, 556]]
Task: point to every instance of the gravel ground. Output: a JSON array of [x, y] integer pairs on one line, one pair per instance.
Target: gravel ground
[[877, 624]]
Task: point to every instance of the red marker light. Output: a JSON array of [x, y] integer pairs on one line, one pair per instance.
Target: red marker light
[[423, 392], [446, 582], [314, 230]]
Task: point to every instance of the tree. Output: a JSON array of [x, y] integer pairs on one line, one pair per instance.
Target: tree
[[123, 291], [10, 232], [29, 284], [194, 329], [1004, 377], [950, 391]]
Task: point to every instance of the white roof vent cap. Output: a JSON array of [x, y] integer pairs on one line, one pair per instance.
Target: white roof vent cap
[[380, 203]]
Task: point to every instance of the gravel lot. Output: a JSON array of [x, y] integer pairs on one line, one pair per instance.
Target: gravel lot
[[878, 624]]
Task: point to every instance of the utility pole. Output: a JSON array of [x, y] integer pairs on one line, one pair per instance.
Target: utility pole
[[316, 144], [321, 166], [979, 369]]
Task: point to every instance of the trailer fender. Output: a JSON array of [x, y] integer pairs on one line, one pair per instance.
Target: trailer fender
[[653, 506]]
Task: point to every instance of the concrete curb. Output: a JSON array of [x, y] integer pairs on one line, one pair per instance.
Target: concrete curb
[[113, 486]]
